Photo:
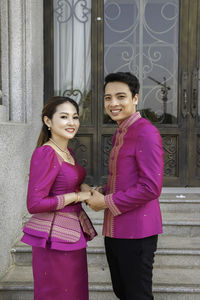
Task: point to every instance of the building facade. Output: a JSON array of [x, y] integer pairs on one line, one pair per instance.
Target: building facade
[[66, 48], [20, 109]]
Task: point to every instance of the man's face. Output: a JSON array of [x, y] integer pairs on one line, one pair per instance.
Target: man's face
[[118, 101]]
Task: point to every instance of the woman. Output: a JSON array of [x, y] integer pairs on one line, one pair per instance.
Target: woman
[[59, 228]]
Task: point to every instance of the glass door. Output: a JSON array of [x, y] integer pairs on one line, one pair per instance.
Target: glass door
[[152, 39], [70, 68], [158, 41]]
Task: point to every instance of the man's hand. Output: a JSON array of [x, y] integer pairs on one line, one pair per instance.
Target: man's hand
[[96, 201], [85, 187]]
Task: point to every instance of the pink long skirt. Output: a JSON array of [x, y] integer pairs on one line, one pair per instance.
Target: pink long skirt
[[60, 275]]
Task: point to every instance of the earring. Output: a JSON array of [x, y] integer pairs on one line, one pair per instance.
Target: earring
[[49, 128]]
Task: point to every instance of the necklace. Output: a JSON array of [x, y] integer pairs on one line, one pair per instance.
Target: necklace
[[69, 157]]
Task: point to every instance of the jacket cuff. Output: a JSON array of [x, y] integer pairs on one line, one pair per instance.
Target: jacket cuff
[[111, 205], [61, 202]]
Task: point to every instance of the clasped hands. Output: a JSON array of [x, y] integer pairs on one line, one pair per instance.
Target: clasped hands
[[96, 200]]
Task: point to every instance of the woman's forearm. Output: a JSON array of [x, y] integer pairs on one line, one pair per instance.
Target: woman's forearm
[[70, 198], [76, 197]]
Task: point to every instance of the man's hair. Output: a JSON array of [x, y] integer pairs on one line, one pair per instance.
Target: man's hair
[[125, 77]]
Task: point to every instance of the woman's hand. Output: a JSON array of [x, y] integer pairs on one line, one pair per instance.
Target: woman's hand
[[76, 197]]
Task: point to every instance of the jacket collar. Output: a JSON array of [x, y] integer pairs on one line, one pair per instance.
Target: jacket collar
[[132, 119]]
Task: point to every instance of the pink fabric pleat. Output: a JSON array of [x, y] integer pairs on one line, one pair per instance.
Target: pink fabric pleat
[[60, 275]]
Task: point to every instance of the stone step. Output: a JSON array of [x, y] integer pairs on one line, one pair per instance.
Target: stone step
[[180, 201], [180, 190], [174, 224], [172, 251], [169, 208], [177, 209], [168, 283], [165, 258], [183, 228], [180, 196], [104, 292], [177, 261], [167, 218], [169, 203], [176, 205], [181, 224], [180, 217]]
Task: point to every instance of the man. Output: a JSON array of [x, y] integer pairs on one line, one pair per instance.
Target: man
[[132, 218]]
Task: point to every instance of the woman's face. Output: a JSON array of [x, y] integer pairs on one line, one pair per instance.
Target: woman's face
[[64, 123]]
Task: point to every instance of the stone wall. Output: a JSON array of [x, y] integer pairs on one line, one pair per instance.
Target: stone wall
[[22, 85]]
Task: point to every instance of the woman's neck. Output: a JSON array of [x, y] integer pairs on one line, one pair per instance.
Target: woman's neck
[[62, 143]]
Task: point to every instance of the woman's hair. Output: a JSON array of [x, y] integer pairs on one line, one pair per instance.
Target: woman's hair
[[125, 77], [48, 110]]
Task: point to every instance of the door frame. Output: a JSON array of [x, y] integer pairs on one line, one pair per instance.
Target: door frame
[[193, 145]]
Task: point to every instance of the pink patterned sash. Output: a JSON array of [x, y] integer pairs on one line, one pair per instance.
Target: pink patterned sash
[[60, 226]]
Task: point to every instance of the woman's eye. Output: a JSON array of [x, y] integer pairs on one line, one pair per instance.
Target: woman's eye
[[63, 117], [76, 118]]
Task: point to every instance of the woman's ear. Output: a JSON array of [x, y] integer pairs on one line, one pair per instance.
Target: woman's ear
[[135, 99], [47, 121]]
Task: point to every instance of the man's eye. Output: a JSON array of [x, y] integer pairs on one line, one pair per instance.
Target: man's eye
[[121, 97], [107, 98]]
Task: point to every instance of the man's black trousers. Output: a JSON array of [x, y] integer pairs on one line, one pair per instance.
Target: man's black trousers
[[131, 265]]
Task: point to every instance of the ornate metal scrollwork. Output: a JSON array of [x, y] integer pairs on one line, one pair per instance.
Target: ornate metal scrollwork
[[78, 150], [198, 151], [84, 100], [106, 151], [65, 9], [170, 159], [75, 93]]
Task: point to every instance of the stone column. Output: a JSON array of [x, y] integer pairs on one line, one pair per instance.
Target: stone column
[[16, 28]]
